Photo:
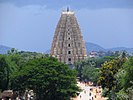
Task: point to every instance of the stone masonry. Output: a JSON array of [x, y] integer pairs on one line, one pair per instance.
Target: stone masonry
[[68, 45]]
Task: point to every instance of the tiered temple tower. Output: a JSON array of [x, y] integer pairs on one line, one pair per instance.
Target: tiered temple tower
[[68, 45]]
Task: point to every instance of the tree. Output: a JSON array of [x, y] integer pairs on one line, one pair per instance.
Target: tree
[[48, 78], [87, 69], [108, 79], [6, 68], [90, 73], [125, 81], [100, 60], [4, 73], [108, 71], [128, 79]]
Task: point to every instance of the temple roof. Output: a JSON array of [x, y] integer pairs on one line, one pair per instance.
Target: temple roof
[[67, 11]]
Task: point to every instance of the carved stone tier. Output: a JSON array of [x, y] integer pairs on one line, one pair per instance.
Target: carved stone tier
[[68, 45]]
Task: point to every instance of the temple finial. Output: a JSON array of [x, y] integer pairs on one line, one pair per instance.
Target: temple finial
[[67, 9]]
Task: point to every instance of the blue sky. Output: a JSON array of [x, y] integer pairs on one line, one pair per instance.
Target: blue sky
[[30, 24]]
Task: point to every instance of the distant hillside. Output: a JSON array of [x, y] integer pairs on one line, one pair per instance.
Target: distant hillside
[[4, 49], [95, 47], [91, 46], [47, 52], [129, 50]]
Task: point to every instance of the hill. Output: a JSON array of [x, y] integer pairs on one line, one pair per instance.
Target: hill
[[4, 49], [95, 47], [129, 50], [91, 46]]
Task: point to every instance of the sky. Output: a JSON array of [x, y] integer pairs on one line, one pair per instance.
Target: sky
[[30, 24]]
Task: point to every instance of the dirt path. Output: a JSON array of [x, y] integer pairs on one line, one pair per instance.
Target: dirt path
[[89, 93]]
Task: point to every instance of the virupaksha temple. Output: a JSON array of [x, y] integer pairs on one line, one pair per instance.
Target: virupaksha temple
[[68, 45]]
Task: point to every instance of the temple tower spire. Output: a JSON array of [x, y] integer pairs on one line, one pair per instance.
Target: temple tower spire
[[68, 45], [67, 9]]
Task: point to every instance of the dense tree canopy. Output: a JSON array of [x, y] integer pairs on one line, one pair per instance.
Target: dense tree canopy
[[6, 69], [52, 80], [87, 70], [125, 81], [49, 79], [108, 77], [108, 70], [4, 73]]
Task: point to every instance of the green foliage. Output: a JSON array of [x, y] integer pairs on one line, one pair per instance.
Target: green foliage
[[49, 79], [113, 77], [87, 70], [90, 73], [4, 73], [108, 71], [125, 81], [52, 80], [6, 69], [13, 61], [128, 76], [100, 60]]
